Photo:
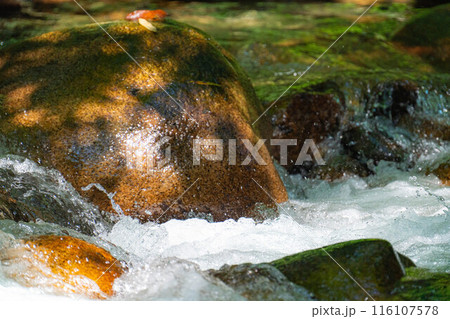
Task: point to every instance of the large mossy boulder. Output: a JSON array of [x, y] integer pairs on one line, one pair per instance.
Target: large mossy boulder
[[373, 263], [73, 100], [427, 34], [329, 273]]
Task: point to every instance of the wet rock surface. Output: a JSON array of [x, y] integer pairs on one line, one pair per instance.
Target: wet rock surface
[[74, 101], [372, 263], [63, 264], [304, 116], [14, 210], [329, 273], [443, 172], [260, 282]]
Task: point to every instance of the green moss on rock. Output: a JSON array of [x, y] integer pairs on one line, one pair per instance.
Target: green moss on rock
[[373, 263], [423, 285], [427, 34]]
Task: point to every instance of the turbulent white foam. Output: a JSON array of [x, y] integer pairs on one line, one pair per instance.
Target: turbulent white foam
[[166, 260], [410, 212]]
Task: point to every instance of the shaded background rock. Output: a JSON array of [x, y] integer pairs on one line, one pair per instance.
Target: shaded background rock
[[367, 145], [10, 7], [301, 117], [427, 35]]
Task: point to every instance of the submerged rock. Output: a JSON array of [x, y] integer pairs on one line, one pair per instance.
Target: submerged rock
[[74, 101], [17, 211], [63, 264], [338, 167], [364, 145], [260, 282], [373, 263], [29, 192]]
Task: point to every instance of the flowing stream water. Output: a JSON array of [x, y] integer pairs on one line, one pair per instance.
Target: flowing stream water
[[168, 261]]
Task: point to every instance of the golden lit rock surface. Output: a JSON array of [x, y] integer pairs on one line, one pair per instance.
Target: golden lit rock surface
[[63, 264], [74, 101]]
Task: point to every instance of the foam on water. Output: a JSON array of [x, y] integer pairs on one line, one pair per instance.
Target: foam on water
[[411, 213], [167, 261]]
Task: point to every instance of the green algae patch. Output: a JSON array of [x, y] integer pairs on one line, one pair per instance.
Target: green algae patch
[[422, 285], [371, 262]]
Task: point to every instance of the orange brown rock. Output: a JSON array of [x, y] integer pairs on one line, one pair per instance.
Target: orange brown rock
[[443, 172], [66, 262], [74, 101], [152, 15]]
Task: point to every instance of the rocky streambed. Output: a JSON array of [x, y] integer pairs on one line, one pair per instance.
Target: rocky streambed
[[92, 205]]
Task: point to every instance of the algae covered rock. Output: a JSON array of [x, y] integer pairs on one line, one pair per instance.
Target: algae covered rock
[[63, 264], [422, 285], [73, 100], [373, 263], [427, 34]]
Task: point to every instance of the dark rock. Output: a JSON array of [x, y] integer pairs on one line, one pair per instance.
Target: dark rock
[[10, 7], [48, 5], [429, 3], [338, 167], [427, 34], [406, 261], [394, 99], [366, 144], [260, 282], [17, 211], [304, 116], [373, 263]]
